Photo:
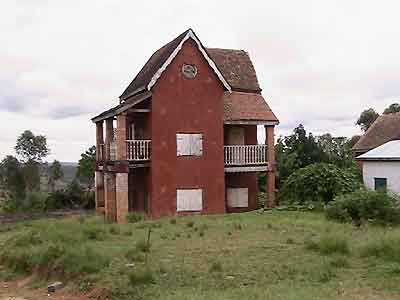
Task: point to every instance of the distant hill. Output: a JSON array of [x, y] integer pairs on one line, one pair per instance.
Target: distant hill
[[69, 171]]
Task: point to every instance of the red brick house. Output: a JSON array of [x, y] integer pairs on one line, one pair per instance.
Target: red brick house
[[183, 138]]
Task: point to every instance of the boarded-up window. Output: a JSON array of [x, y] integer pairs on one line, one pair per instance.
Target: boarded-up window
[[189, 144], [238, 197], [189, 199]]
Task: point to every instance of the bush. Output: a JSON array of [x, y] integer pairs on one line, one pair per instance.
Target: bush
[[327, 245], [141, 277], [375, 206], [143, 246], [216, 266], [319, 182], [134, 217], [95, 233], [387, 248], [134, 255]]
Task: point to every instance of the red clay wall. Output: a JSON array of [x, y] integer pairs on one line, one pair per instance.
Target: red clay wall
[[244, 180], [182, 105]]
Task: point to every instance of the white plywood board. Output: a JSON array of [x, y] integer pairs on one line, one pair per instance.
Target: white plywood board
[[238, 197], [189, 199]]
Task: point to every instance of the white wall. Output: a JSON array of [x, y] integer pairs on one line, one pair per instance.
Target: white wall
[[382, 169]]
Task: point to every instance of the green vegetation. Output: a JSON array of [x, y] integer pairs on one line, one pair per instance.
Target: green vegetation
[[377, 207], [319, 183], [265, 259], [134, 217]]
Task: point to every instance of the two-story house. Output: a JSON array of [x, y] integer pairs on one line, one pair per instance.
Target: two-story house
[[183, 138]]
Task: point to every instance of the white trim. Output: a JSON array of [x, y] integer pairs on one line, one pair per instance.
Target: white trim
[[191, 35], [246, 169]]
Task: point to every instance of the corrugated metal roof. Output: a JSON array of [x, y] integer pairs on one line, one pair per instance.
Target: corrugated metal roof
[[387, 151]]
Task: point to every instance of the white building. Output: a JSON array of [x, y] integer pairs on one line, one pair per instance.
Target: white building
[[381, 167]]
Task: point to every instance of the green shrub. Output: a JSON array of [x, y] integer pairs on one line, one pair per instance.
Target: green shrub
[[216, 266], [339, 262], [387, 248], [114, 230], [190, 224], [143, 246], [134, 217], [94, 233], [172, 221], [319, 182], [330, 244], [134, 255], [375, 206], [141, 277]]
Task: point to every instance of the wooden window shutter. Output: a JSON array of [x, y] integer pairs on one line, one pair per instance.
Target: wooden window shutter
[[196, 144]]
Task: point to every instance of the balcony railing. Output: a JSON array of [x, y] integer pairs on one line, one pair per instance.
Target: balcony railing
[[138, 150], [113, 150], [240, 155]]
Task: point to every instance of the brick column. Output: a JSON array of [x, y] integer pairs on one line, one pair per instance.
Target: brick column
[[109, 137], [99, 190], [270, 188], [99, 141], [121, 136], [122, 196], [110, 197]]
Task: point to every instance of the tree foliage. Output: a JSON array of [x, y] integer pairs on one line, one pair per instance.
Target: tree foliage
[[86, 167], [31, 147], [392, 108], [56, 173], [367, 117], [319, 182], [11, 177]]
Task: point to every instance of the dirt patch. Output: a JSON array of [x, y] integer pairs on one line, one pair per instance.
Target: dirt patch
[[17, 290]]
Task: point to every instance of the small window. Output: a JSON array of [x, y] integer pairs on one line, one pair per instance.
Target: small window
[[380, 184], [238, 197], [189, 199], [189, 144]]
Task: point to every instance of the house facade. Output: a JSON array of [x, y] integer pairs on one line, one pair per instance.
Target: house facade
[[381, 167], [183, 138]]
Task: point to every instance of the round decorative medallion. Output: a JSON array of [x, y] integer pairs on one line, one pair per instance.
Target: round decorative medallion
[[189, 71]]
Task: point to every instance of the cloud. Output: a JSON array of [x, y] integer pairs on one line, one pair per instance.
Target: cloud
[[319, 63]]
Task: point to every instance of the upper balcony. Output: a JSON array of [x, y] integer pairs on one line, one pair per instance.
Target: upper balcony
[[236, 157]]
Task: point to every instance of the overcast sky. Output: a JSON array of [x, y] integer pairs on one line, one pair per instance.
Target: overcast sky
[[319, 63]]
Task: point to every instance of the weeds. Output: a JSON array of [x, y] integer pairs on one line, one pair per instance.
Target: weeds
[[190, 224], [330, 244], [141, 277], [143, 246], [216, 266], [135, 217]]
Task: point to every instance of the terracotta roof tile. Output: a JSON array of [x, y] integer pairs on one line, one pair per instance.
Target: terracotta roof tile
[[240, 106], [385, 128], [236, 67]]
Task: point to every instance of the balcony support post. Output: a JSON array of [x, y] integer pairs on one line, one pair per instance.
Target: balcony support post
[[270, 153], [99, 141], [122, 131], [109, 137]]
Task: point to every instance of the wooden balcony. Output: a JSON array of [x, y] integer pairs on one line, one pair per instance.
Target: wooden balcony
[[245, 158], [138, 150]]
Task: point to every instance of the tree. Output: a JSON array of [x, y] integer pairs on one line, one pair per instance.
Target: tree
[[393, 108], [367, 117], [297, 151], [337, 150], [56, 173], [86, 167], [11, 177], [31, 148]]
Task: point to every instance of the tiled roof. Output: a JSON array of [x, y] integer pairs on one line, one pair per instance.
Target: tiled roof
[[385, 128], [240, 106], [235, 66]]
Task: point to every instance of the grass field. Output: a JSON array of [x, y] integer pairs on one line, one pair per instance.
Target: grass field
[[271, 255]]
